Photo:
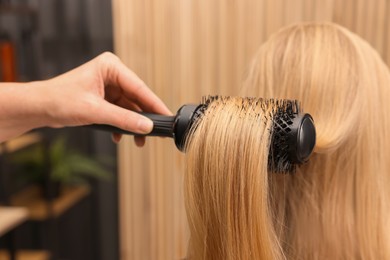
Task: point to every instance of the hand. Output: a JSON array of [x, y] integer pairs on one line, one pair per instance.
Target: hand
[[102, 91]]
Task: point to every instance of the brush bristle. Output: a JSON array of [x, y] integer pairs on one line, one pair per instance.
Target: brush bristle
[[280, 111], [278, 159]]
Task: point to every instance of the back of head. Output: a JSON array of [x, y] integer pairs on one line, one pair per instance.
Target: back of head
[[336, 206]]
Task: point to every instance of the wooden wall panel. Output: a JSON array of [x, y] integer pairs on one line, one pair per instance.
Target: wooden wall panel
[[386, 44], [184, 49]]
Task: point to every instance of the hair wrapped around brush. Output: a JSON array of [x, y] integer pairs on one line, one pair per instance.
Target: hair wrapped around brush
[[227, 162]]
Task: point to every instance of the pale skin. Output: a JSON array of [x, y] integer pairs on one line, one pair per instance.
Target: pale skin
[[101, 91]]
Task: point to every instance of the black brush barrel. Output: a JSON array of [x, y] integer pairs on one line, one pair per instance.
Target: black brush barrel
[[186, 116], [293, 141], [162, 126], [302, 138]]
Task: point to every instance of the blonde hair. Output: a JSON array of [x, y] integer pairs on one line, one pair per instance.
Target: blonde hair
[[334, 207], [229, 215]]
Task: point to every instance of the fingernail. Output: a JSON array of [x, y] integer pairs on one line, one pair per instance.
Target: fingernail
[[145, 126]]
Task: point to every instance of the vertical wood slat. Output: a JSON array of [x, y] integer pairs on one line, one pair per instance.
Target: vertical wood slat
[[323, 10], [148, 22], [309, 9], [386, 44], [293, 11], [253, 33], [380, 23], [184, 49], [274, 16]]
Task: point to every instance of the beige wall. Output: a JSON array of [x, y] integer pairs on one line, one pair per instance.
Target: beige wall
[[184, 49]]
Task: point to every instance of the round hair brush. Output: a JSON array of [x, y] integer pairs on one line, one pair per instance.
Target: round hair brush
[[292, 139]]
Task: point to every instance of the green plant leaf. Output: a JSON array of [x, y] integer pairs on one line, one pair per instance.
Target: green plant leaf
[[65, 165], [57, 150], [87, 166], [33, 155]]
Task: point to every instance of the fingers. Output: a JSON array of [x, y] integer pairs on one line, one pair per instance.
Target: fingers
[[125, 103], [116, 138], [116, 73], [111, 114], [139, 141], [136, 96]]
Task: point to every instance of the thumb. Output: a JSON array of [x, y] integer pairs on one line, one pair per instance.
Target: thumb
[[125, 119]]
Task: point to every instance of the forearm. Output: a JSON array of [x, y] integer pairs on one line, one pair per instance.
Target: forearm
[[23, 107], [102, 91]]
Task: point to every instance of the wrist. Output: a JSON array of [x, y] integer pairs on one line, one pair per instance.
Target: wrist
[[42, 105], [21, 109]]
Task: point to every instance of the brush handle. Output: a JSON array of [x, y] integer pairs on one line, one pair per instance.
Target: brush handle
[[162, 126]]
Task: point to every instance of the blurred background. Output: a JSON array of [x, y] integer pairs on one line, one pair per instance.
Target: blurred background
[[71, 193], [58, 188]]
